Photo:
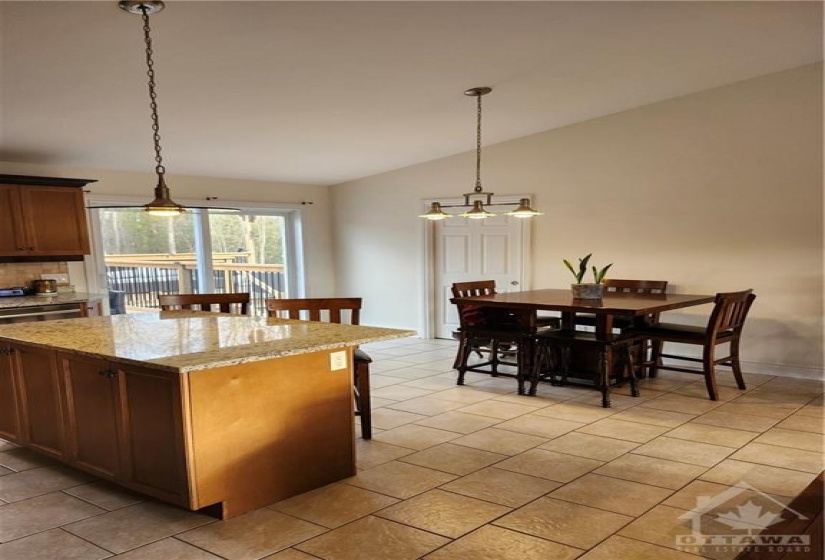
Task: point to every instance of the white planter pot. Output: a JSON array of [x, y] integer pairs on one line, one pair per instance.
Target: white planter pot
[[586, 291]]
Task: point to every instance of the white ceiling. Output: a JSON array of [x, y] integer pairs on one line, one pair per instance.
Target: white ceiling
[[325, 92]]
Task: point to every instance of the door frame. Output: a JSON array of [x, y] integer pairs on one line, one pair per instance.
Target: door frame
[[428, 238]]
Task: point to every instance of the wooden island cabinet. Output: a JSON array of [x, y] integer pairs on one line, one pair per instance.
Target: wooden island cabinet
[[39, 400], [42, 217], [208, 411], [123, 424]]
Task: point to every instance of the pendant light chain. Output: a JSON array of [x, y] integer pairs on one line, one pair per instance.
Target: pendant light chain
[[150, 65], [478, 145]]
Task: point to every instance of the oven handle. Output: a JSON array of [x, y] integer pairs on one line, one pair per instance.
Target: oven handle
[[43, 313]]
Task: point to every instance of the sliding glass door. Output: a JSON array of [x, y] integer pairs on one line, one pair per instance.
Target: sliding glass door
[[141, 256]]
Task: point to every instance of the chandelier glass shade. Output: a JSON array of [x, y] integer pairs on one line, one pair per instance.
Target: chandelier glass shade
[[477, 202]]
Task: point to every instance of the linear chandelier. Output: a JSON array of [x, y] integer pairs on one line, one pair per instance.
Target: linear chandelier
[[479, 200]]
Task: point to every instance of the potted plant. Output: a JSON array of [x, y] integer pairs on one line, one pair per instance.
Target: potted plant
[[582, 290]]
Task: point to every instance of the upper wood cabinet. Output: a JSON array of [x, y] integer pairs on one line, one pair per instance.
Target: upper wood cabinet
[[42, 217]]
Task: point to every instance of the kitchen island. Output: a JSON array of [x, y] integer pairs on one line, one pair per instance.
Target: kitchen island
[[215, 412]]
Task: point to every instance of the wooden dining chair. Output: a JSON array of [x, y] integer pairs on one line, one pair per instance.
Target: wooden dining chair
[[494, 333], [615, 286], [226, 303], [643, 348], [335, 310], [615, 350], [724, 325]]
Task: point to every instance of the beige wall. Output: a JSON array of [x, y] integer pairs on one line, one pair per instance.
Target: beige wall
[[316, 220], [716, 191]]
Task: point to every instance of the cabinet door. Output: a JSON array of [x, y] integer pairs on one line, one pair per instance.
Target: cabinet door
[[92, 406], [12, 234], [9, 419], [154, 451], [41, 405], [55, 220]]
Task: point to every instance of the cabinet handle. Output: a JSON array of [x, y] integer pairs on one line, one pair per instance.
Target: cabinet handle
[[107, 373], [5, 351]]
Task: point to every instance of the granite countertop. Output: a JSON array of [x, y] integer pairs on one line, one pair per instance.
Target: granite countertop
[[56, 299], [184, 341]]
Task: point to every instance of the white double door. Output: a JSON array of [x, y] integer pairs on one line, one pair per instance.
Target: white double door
[[466, 250]]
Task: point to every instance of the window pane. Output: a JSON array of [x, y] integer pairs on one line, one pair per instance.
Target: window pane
[[147, 256], [249, 255]]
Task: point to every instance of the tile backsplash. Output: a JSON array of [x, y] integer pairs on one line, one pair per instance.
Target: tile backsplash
[[21, 274]]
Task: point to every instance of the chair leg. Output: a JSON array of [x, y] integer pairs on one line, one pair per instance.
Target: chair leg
[[655, 358], [462, 361], [737, 368], [604, 377], [494, 361], [630, 369], [462, 344], [362, 384], [522, 366], [565, 363], [541, 360], [709, 373]]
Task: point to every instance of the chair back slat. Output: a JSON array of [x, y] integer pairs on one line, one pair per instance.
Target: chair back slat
[[635, 286], [477, 288], [226, 303], [332, 310], [730, 311]]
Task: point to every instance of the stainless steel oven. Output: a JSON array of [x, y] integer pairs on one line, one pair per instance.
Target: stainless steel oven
[[39, 313]]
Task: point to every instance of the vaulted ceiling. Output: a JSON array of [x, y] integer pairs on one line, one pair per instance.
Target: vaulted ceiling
[[325, 92]]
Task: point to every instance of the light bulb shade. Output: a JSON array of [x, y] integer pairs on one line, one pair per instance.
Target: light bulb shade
[[478, 212], [163, 205], [524, 210], [436, 213]]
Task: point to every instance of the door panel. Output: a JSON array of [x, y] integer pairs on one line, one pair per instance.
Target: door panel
[[12, 233], [495, 255], [465, 250], [92, 406], [57, 220], [152, 429], [43, 426], [9, 419]]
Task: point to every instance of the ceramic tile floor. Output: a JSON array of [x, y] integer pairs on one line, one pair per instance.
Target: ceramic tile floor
[[468, 473]]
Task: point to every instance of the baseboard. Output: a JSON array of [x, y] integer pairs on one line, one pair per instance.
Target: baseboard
[[816, 374]]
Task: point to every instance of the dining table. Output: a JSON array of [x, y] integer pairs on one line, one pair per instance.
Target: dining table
[[641, 309], [638, 306]]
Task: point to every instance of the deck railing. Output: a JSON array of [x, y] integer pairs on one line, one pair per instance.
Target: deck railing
[[143, 280]]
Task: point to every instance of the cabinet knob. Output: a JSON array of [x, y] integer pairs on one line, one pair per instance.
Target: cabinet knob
[[107, 373]]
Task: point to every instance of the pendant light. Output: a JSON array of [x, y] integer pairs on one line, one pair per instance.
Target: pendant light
[[162, 205], [479, 200]]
